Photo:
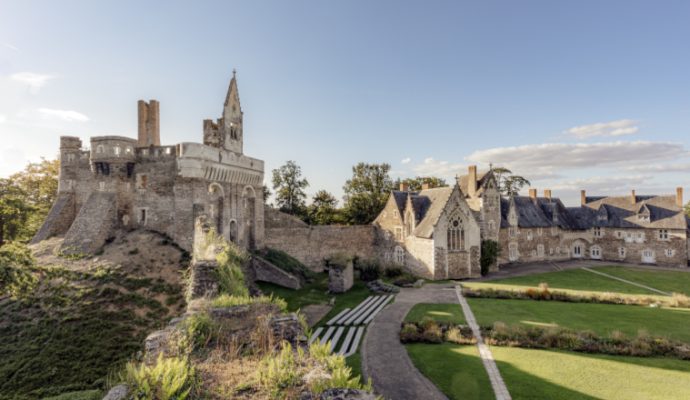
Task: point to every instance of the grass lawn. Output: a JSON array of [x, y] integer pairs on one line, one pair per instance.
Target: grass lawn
[[599, 318], [571, 279], [668, 281], [542, 374], [438, 312], [456, 370]]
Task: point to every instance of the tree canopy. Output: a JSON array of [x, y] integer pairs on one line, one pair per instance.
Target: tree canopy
[[323, 209], [415, 184], [367, 191], [508, 183], [289, 188]]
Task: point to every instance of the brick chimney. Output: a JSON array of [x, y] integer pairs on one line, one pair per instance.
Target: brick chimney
[[533, 194], [633, 197], [583, 197], [679, 197], [426, 185], [149, 123], [404, 187], [472, 180], [547, 193]]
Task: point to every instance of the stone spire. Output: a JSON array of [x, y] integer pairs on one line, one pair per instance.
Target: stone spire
[[232, 117]]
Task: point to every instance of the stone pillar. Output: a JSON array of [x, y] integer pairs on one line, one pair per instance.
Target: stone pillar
[[340, 278]]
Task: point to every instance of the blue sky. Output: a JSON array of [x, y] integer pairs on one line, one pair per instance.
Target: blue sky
[[589, 94]]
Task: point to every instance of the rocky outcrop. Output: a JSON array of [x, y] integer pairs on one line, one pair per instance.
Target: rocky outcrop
[[118, 392]]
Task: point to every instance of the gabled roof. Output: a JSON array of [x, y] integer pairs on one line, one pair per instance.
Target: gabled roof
[[435, 201], [400, 200], [482, 179]]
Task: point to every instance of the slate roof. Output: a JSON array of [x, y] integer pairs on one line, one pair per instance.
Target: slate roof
[[400, 199], [610, 212], [434, 201]]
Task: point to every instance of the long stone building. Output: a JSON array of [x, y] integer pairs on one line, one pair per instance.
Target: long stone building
[[126, 183], [438, 231]]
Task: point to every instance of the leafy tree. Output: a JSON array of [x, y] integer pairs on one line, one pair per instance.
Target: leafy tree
[[266, 193], [366, 193], [26, 198], [289, 188], [687, 209], [490, 252], [15, 277], [323, 209], [508, 183], [415, 184]]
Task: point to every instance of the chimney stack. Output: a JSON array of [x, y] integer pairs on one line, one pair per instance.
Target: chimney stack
[[547, 194], [679, 197], [472, 180], [404, 187], [426, 185], [533, 194], [583, 197], [633, 197], [149, 123]]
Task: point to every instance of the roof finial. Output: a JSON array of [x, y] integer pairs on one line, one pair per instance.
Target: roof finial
[[234, 72]]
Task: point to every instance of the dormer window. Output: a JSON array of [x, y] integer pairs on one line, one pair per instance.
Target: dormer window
[[597, 232], [643, 218]]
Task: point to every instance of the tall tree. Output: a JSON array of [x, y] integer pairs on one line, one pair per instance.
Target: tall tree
[[323, 209], [415, 184], [508, 183], [26, 198], [366, 193], [289, 188]]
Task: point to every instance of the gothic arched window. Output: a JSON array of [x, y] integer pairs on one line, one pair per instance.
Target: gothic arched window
[[456, 234]]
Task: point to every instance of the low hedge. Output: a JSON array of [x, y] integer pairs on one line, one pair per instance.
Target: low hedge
[[617, 344], [544, 293]]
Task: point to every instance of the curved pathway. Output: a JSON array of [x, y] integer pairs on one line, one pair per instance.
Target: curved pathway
[[384, 358]]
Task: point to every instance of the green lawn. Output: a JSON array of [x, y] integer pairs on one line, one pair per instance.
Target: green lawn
[[542, 374], [438, 312], [600, 318], [668, 281], [456, 370], [556, 375], [571, 279], [317, 293]]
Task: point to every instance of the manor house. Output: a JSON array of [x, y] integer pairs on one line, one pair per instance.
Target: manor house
[[126, 183], [438, 231]]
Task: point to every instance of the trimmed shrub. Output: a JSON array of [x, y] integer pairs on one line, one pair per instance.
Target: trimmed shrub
[[489, 254]]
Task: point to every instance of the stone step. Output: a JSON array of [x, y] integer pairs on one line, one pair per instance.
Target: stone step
[[379, 308], [352, 314], [327, 335], [336, 337], [315, 335], [369, 309], [347, 341], [337, 317], [355, 343]]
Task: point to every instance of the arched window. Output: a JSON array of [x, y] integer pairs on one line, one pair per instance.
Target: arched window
[[595, 252], [399, 255], [456, 234], [99, 149]]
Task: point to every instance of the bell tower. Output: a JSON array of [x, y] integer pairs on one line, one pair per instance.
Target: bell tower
[[232, 117]]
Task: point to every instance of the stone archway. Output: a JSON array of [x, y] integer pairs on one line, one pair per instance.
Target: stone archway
[[249, 217], [216, 206]]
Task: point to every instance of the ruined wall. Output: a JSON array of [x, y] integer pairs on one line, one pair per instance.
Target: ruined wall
[[59, 219], [312, 244], [92, 226]]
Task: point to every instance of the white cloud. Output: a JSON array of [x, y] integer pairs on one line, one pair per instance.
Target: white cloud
[[432, 167], [660, 168], [614, 128], [405, 160], [34, 81], [603, 184], [11, 47], [557, 156], [65, 115]]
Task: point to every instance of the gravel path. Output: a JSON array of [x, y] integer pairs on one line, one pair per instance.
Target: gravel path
[[384, 358]]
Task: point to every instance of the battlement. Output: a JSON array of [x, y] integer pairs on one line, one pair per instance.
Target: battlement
[[112, 149], [70, 142]]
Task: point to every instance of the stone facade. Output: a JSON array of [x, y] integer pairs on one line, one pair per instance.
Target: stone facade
[[125, 183]]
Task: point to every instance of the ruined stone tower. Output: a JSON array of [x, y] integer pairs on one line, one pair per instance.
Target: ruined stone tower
[[125, 183]]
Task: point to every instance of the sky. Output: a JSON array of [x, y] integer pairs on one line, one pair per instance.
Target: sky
[[590, 95]]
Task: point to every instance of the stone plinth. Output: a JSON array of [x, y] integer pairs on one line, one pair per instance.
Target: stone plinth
[[340, 278]]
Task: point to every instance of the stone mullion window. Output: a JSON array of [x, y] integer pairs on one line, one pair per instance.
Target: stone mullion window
[[456, 235]]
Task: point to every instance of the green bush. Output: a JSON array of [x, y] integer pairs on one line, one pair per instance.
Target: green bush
[[168, 379], [489, 254], [226, 300], [15, 275], [392, 271], [369, 269], [199, 329], [229, 272]]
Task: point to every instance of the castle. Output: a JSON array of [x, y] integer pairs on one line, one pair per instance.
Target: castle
[[439, 231], [122, 183], [125, 183]]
